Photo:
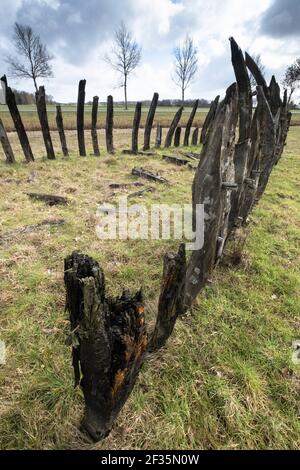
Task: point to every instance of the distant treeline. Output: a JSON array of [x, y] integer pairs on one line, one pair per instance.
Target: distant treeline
[[24, 97]]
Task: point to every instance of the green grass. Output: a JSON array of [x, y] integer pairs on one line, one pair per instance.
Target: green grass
[[225, 380]]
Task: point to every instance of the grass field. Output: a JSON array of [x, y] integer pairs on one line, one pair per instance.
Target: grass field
[[122, 119], [226, 379]]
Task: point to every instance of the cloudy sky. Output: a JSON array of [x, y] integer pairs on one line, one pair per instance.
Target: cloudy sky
[[79, 33]]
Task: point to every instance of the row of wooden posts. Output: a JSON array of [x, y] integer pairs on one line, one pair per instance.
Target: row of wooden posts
[[173, 134]]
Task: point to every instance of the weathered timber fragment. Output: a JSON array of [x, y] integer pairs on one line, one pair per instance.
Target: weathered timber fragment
[[135, 127], [170, 304], [9, 234], [61, 131], [177, 137], [173, 126], [189, 124], [149, 175], [141, 192], [256, 72], [175, 160], [149, 121], [110, 125], [94, 126], [9, 154], [40, 97], [19, 126], [125, 185], [109, 342], [158, 137], [208, 120], [195, 136], [50, 199], [80, 118]]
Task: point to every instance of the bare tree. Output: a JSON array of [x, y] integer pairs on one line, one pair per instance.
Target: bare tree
[[291, 79], [260, 65], [185, 65], [125, 55], [33, 60]]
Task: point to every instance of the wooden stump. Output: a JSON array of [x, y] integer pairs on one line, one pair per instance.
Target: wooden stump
[[110, 125], [158, 136], [61, 131], [195, 136], [173, 126], [94, 126], [43, 118], [177, 137], [109, 342], [135, 127], [16, 117], [189, 124], [10, 158], [80, 118], [149, 122]]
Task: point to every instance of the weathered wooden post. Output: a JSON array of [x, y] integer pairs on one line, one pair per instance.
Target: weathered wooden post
[[190, 123], [177, 137], [149, 122], [110, 125], [109, 342], [61, 131], [173, 126], [40, 97], [158, 136], [19, 126], [135, 127], [208, 120], [10, 158], [94, 126], [195, 136], [80, 118]]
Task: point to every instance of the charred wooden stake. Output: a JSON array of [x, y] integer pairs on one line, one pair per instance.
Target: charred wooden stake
[[50, 199], [10, 158], [158, 136], [149, 121], [80, 118], [173, 126], [195, 136], [61, 131], [177, 137], [109, 342], [109, 125], [149, 175], [94, 126], [40, 97], [19, 126], [190, 123], [135, 127], [175, 160], [208, 120]]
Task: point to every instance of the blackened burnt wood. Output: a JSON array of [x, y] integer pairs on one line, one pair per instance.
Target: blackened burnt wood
[[80, 118], [61, 131], [149, 175], [94, 126], [16, 117], [43, 118], [209, 120], [173, 126], [195, 136], [10, 158], [177, 137], [170, 304], [109, 342], [109, 125], [158, 136], [149, 121], [135, 127], [175, 160], [190, 123], [256, 72], [50, 199]]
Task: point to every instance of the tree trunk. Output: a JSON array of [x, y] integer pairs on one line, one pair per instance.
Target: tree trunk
[[109, 342], [173, 126], [43, 118], [10, 158], [61, 131], [80, 118], [190, 123], [16, 117], [149, 122], [177, 137], [135, 127], [110, 125], [94, 126], [125, 91]]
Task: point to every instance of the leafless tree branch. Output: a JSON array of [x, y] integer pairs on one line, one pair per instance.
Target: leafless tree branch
[[185, 64]]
